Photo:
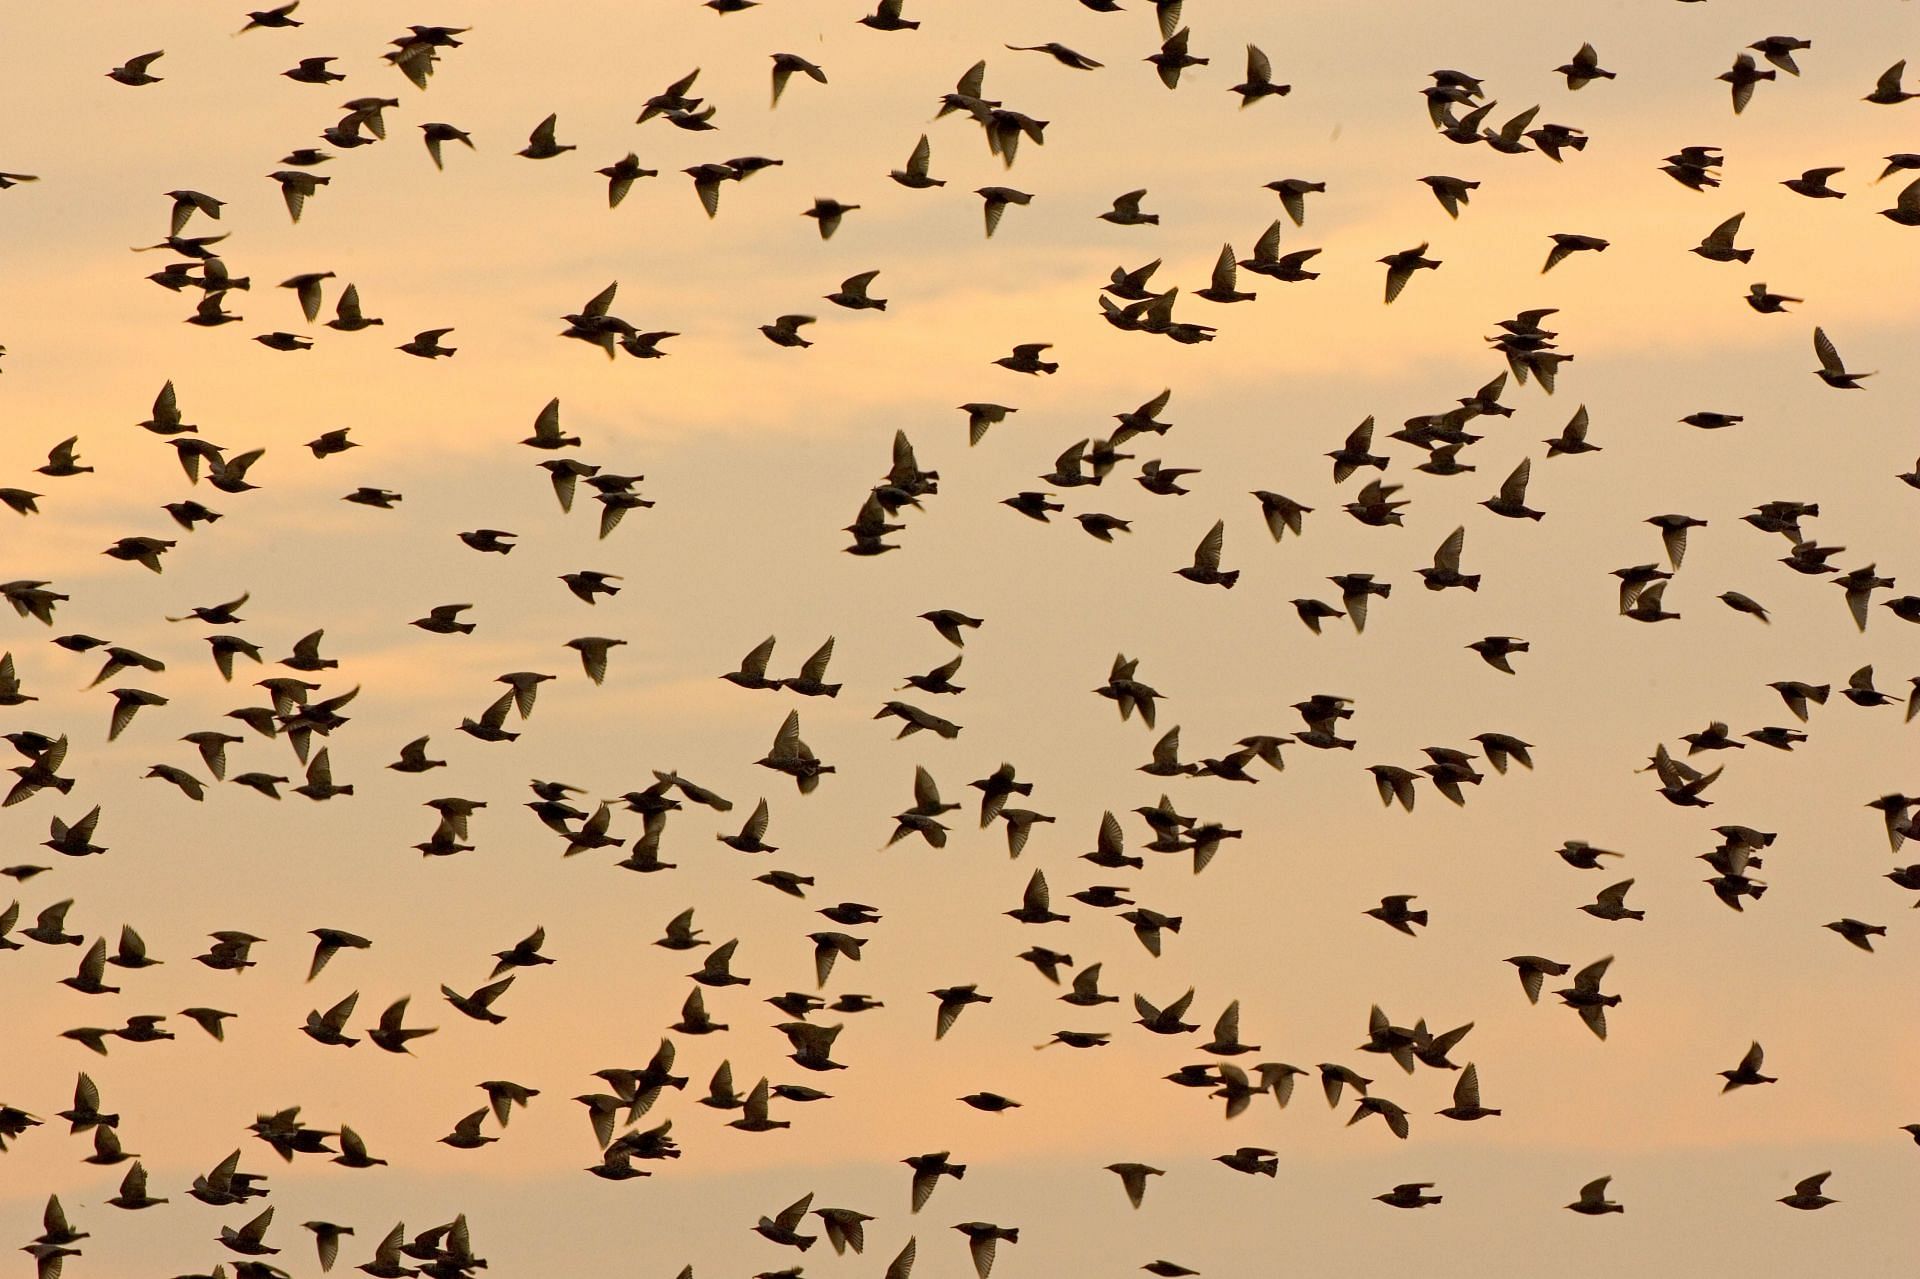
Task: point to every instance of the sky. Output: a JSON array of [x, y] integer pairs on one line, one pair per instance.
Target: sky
[[756, 456]]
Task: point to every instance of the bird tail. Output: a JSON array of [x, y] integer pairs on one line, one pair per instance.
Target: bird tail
[[1417, 917], [1227, 579]]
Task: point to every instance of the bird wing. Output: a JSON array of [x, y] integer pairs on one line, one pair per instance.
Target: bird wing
[[982, 1247], [786, 743], [256, 1230], [1829, 356], [338, 1014], [922, 156], [93, 965], [1227, 1029], [1206, 556], [1588, 978], [1514, 490], [995, 207], [1466, 1090], [755, 662], [1397, 277], [794, 1213], [1225, 272], [926, 792], [756, 825]]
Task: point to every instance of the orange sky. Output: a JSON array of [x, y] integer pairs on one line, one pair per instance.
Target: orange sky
[[757, 455]]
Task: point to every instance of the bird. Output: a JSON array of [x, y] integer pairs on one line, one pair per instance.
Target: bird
[[785, 331], [1446, 572], [1126, 210], [1133, 1179], [1856, 933], [1394, 912], [390, 1034], [1813, 184], [1566, 244], [1742, 77], [1452, 193], [1808, 1193], [916, 175], [952, 1000], [1593, 1201], [1401, 266], [541, 144], [1495, 649], [1747, 1073], [1205, 568], [827, 214], [1718, 244], [347, 316], [1779, 50], [1060, 53], [786, 66], [1411, 1194], [1886, 90], [1906, 206], [1583, 68], [1173, 58], [297, 187], [1768, 303], [426, 345], [995, 201], [1611, 903], [134, 71], [853, 295], [330, 942], [1584, 996], [1026, 358], [886, 17], [1259, 82]]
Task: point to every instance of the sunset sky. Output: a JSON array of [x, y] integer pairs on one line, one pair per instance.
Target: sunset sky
[[757, 456]]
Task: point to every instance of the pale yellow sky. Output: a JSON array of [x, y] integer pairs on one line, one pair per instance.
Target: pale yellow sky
[[757, 456]]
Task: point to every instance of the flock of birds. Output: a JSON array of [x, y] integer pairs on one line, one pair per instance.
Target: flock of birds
[[306, 695]]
